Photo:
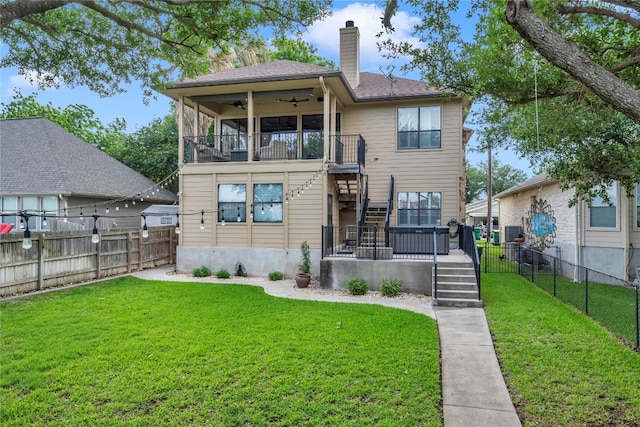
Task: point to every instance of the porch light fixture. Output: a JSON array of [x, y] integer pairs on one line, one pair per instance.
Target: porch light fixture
[[178, 223], [145, 229]]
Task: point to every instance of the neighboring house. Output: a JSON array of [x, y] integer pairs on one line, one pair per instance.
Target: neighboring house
[[160, 215], [298, 146], [477, 213], [48, 172], [601, 237]]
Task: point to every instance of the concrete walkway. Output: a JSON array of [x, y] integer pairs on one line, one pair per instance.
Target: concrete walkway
[[473, 390]]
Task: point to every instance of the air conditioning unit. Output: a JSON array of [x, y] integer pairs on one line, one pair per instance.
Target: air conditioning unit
[[511, 232]]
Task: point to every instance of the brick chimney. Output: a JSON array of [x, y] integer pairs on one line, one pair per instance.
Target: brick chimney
[[350, 53]]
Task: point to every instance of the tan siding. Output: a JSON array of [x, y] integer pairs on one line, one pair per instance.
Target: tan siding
[[413, 170], [268, 236], [232, 235], [198, 194], [305, 212]]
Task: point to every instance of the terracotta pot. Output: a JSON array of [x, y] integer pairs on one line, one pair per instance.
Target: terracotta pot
[[303, 280]]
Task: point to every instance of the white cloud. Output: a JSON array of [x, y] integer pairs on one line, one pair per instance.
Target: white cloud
[[325, 34], [25, 83]]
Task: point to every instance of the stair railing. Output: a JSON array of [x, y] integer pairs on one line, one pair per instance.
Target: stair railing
[[363, 212], [388, 215], [468, 244], [435, 264]]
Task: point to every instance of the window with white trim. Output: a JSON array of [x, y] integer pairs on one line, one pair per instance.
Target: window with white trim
[[267, 202], [419, 208], [232, 202], [603, 214], [418, 128]]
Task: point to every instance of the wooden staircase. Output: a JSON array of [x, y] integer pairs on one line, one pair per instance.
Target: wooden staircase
[[374, 216], [456, 285]]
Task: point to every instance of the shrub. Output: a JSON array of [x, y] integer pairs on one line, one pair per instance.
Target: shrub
[[390, 287], [276, 275], [357, 286], [222, 274], [305, 261], [201, 271]]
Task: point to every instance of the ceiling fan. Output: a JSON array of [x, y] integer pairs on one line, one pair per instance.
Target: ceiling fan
[[239, 104], [293, 101]]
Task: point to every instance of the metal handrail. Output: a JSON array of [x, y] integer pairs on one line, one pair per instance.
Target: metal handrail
[[468, 245], [435, 265], [363, 211], [388, 215]]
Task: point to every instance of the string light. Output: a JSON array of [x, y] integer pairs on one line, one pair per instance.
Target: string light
[[238, 218], [145, 229], [44, 219], [202, 219], [251, 214], [262, 209], [106, 211], [221, 221], [126, 204], [95, 237]]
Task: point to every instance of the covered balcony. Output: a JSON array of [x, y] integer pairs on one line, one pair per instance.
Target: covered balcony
[[274, 146]]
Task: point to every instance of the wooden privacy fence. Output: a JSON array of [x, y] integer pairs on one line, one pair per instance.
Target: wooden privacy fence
[[65, 257]]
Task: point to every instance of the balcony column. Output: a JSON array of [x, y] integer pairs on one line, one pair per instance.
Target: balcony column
[[250, 130], [326, 116], [181, 131], [333, 125]]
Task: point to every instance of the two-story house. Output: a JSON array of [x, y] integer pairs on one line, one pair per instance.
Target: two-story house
[[271, 153]]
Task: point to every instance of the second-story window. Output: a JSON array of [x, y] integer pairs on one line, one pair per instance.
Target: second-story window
[[419, 127]]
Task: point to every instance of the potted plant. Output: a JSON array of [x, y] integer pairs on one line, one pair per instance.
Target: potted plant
[[303, 278]]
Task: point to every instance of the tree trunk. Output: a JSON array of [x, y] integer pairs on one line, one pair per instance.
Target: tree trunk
[[568, 57], [20, 9]]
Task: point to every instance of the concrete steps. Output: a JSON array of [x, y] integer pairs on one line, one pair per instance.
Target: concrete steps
[[457, 286]]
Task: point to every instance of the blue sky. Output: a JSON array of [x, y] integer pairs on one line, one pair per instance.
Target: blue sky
[[323, 35]]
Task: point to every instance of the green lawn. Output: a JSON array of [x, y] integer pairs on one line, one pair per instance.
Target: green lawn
[[132, 352], [562, 368]]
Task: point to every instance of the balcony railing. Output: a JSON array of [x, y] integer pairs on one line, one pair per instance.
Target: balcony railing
[[343, 149]]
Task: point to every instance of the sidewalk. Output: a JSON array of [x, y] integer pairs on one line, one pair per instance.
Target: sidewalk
[[473, 390]]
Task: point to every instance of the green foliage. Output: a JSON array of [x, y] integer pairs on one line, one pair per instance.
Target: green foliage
[[105, 45], [223, 274], [391, 287], [297, 50], [357, 286], [276, 275], [531, 106], [305, 263], [503, 177], [76, 119], [201, 271], [157, 353]]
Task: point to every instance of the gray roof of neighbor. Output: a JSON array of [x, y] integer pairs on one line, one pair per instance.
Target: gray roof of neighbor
[[39, 157], [372, 86], [162, 209], [536, 181]]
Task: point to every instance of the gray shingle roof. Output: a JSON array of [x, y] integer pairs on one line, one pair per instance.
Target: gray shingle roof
[[372, 86], [378, 87], [536, 181], [39, 157], [269, 71]]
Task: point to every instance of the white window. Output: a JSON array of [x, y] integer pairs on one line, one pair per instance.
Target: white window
[[267, 203], [10, 206], [166, 220], [418, 127], [603, 214], [232, 202], [419, 209]]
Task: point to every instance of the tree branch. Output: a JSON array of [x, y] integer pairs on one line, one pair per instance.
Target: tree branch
[[631, 4], [19, 9], [625, 17], [621, 66], [569, 58]]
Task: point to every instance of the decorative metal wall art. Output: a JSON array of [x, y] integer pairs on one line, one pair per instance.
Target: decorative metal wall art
[[541, 224]]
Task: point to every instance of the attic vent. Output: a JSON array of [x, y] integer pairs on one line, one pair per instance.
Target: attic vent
[[348, 24]]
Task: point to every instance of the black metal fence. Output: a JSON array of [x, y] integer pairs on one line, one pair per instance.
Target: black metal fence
[[610, 301], [373, 242]]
